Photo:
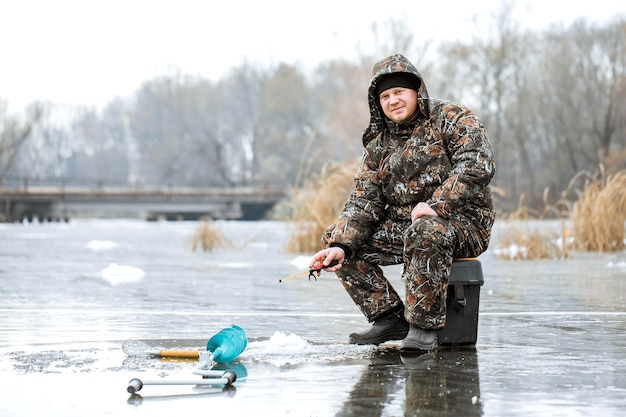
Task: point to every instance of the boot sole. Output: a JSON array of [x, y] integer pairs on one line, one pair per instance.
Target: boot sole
[[413, 346]]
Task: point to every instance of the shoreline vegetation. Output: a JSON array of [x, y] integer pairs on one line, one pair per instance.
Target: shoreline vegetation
[[591, 211]]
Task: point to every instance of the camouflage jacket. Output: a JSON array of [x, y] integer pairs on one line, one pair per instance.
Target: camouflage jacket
[[441, 156]]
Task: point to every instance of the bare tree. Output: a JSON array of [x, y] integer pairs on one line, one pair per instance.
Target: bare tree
[[242, 92], [14, 133], [284, 128], [489, 75], [601, 59], [579, 88], [191, 131], [341, 90], [553, 102]]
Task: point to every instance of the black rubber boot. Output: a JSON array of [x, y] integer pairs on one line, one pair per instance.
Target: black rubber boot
[[420, 340], [390, 326]]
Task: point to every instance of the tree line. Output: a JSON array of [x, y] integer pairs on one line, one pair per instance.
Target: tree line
[[553, 102]]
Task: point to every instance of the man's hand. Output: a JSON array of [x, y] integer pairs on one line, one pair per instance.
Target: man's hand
[[422, 209], [326, 256]]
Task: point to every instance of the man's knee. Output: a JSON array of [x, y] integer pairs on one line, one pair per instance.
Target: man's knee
[[428, 232]]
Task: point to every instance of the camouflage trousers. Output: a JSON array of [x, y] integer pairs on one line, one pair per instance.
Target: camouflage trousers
[[426, 248]]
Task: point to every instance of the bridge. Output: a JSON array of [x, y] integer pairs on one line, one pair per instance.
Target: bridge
[[60, 203]]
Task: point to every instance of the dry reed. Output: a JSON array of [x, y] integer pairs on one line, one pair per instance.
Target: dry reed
[[599, 214], [317, 204], [208, 237], [521, 240]]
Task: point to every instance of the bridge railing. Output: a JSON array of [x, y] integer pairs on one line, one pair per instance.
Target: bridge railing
[[26, 184]]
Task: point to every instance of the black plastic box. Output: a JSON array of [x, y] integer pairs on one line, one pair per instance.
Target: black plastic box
[[461, 328]]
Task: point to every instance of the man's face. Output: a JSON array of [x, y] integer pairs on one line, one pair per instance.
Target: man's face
[[398, 103]]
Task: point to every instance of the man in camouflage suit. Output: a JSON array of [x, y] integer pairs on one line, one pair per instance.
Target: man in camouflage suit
[[421, 198]]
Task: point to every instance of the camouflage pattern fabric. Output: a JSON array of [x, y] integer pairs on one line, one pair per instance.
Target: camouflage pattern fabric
[[441, 156]]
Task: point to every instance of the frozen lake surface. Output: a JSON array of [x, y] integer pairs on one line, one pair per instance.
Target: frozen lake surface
[[551, 336]]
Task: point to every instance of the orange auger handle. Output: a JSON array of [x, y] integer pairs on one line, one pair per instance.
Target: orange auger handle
[[189, 354]]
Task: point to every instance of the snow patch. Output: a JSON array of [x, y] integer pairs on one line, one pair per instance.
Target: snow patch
[[119, 274], [101, 244]]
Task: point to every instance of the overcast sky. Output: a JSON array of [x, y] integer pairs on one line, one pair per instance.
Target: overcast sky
[[86, 52]]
